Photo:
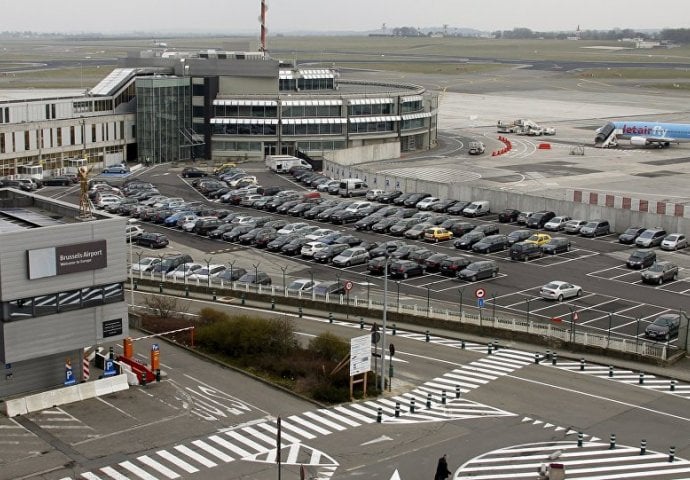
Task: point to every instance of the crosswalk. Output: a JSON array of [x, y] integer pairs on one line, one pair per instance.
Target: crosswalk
[[650, 382], [445, 175], [591, 461]]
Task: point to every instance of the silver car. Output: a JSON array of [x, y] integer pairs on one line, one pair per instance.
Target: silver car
[[674, 241], [351, 256]]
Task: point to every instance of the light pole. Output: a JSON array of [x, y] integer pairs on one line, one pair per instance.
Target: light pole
[[608, 337], [461, 291], [208, 271], [232, 268], [572, 324], [284, 270], [139, 254], [131, 270], [428, 301], [527, 300], [385, 314], [256, 273], [398, 305], [637, 334], [313, 290]]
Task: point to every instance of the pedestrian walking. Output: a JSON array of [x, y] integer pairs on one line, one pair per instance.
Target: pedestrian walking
[[442, 471]]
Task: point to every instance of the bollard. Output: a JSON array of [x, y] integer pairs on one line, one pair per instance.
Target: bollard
[[641, 380], [186, 291], [397, 409], [136, 285], [489, 348], [548, 354], [673, 385], [495, 343], [582, 364], [111, 353], [443, 397], [379, 415], [299, 311], [273, 303], [428, 400], [412, 405], [554, 359], [427, 336], [158, 374], [462, 344], [394, 329], [610, 372], [643, 447], [361, 323], [612, 441], [243, 298], [536, 358], [143, 379], [580, 436], [160, 287], [671, 454], [215, 296], [457, 391], [330, 317]]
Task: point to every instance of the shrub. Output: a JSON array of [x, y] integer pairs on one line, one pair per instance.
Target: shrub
[[329, 347]]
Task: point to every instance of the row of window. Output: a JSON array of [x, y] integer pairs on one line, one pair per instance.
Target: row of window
[[54, 303], [295, 84], [11, 142], [306, 111], [316, 129], [5, 115]]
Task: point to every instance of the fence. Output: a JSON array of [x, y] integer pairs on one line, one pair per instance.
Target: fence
[[484, 321]]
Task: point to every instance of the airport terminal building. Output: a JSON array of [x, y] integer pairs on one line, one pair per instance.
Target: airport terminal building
[[62, 280], [176, 106]]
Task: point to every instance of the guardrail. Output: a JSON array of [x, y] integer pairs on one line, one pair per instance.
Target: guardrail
[[457, 317]]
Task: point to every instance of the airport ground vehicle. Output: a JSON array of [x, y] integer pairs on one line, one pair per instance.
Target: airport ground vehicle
[[523, 127], [558, 290], [476, 148], [283, 163]]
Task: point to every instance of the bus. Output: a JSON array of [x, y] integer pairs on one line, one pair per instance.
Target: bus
[[30, 171]]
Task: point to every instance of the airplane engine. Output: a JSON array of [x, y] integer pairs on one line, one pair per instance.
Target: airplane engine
[[639, 141]]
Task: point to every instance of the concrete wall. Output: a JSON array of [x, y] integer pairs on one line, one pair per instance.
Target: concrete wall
[[364, 154], [583, 205]]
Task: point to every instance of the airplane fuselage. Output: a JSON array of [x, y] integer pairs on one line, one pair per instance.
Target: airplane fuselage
[[644, 133]]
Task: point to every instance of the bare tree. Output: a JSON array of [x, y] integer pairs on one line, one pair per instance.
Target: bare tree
[[165, 307]]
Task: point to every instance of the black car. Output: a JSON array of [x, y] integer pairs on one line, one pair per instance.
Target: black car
[[234, 234], [630, 235], [487, 228], [443, 205], [508, 215], [330, 252], [286, 206], [376, 265], [282, 240], [366, 222], [262, 278], [388, 197], [664, 327], [299, 209], [350, 240], [57, 181], [342, 217], [556, 245], [322, 289], [492, 243], [402, 253], [230, 274], [433, 262], [218, 232], [457, 208], [539, 219], [641, 259], [467, 240], [249, 237], [400, 200], [404, 269], [525, 251], [452, 265], [420, 255], [295, 246], [266, 236], [479, 270], [461, 227], [402, 225], [389, 246], [415, 198], [189, 172], [152, 240], [518, 236], [383, 225]]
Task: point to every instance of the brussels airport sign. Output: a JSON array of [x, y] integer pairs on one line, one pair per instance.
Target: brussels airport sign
[[76, 257]]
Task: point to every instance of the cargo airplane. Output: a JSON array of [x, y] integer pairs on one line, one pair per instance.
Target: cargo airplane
[[642, 133]]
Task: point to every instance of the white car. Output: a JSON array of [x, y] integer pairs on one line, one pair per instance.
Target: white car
[[301, 285], [292, 228], [310, 248], [132, 232], [204, 273], [558, 290], [144, 264], [556, 223], [106, 200], [321, 232], [185, 270], [324, 186], [249, 178], [427, 203], [674, 241]]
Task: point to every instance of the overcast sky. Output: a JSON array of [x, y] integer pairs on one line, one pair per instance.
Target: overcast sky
[[241, 16]]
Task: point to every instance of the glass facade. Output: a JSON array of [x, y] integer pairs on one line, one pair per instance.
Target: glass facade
[[164, 116]]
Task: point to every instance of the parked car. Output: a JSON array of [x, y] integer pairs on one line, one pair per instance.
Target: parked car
[[404, 269], [330, 252], [479, 270], [310, 248], [652, 237], [132, 232], [144, 264], [437, 234], [557, 224], [189, 172], [457, 208], [420, 255], [674, 241], [574, 226], [229, 275], [204, 274], [171, 262], [539, 219], [487, 228], [373, 195], [185, 270], [300, 285], [433, 262], [524, 251], [539, 238], [61, 181], [115, 169], [660, 272], [594, 228], [523, 217], [389, 196], [294, 246], [664, 327], [641, 259], [351, 256], [332, 287], [556, 245], [443, 205], [253, 278], [630, 235], [467, 240], [152, 240], [508, 215], [376, 265], [518, 236], [451, 266], [427, 203], [492, 243], [558, 290]]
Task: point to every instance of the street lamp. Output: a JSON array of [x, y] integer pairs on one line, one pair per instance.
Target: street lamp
[[208, 271], [527, 300], [313, 290], [284, 269], [608, 337], [232, 267], [256, 272], [428, 301], [572, 324], [461, 291], [139, 254], [385, 314], [398, 285]]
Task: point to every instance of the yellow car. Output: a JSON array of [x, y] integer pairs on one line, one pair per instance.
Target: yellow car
[[437, 234], [223, 167], [539, 238]]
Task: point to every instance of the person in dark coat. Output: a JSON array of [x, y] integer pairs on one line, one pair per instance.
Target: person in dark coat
[[442, 471]]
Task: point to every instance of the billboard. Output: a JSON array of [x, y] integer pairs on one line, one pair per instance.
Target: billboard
[[72, 258]]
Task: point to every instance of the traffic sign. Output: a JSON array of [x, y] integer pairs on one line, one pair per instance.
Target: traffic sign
[[348, 285], [375, 337], [155, 347], [480, 302], [479, 293]]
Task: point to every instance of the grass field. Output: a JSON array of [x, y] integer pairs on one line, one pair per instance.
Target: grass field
[[406, 55]]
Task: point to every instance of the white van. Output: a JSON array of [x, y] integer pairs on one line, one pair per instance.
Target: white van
[[352, 187], [477, 209], [283, 163]]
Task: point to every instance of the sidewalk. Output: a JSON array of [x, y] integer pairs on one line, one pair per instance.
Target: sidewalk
[[680, 370]]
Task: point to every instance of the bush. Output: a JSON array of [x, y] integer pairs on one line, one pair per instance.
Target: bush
[[329, 347]]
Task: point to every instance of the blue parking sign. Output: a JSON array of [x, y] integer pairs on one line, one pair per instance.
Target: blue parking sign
[[109, 368], [480, 302]]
